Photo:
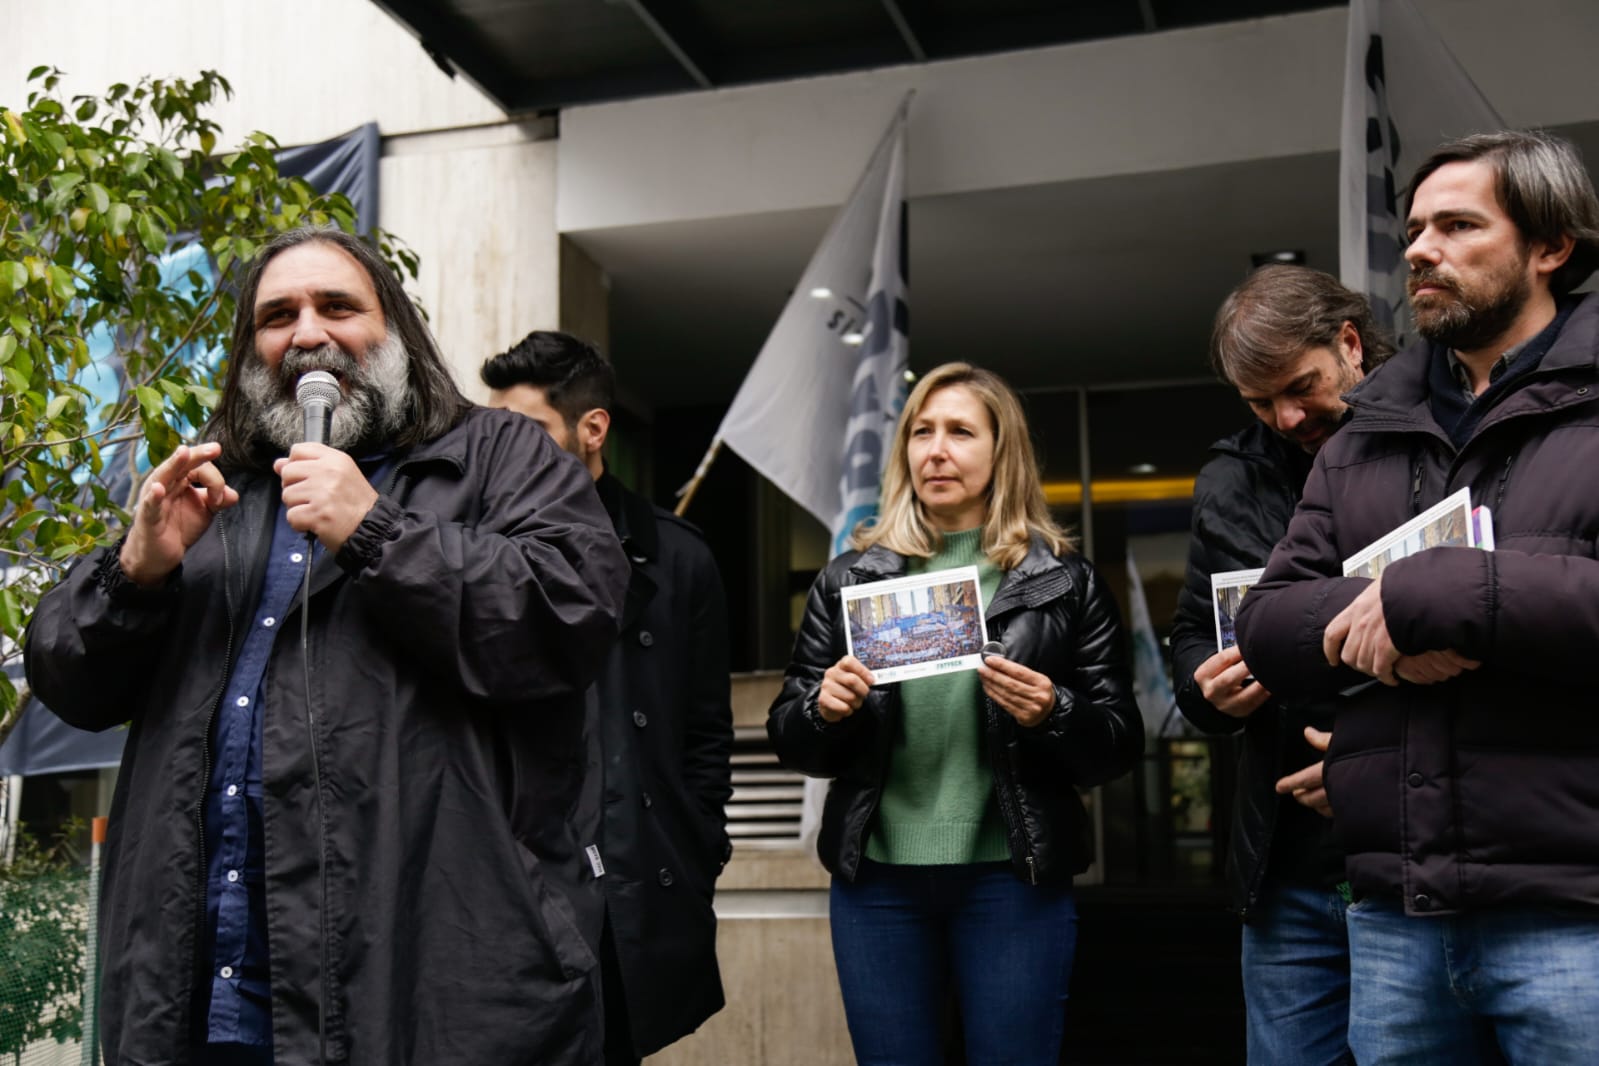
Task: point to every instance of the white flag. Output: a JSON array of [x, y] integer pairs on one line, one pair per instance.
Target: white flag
[[1404, 94], [816, 412], [1157, 704]]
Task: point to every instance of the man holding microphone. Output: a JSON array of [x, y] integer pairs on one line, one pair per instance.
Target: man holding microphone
[[346, 842]]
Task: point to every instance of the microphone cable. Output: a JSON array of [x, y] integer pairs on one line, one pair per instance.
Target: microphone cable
[[321, 814]]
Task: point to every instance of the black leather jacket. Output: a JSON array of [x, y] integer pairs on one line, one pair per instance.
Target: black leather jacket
[[1052, 614]]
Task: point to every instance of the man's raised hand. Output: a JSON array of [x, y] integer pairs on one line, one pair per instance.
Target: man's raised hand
[[175, 507]]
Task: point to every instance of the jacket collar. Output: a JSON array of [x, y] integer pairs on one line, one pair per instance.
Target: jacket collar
[[637, 528], [1037, 579], [1257, 443], [1399, 388], [633, 518]]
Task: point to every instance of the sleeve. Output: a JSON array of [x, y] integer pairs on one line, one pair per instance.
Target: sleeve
[[1193, 631], [93, 626], [518, 603], [803, 739], [1096, 729], [708, 728], [1282, 620], [1529, 614]]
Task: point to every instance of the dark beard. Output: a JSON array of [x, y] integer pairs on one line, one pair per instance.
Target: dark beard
[[372, 413], [1456, 321]]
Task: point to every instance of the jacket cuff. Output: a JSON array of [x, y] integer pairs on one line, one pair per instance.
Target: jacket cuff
[[365, 545], [813, 715], [120, 589]]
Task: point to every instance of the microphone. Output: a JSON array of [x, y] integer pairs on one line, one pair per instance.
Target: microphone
[[317, 394]]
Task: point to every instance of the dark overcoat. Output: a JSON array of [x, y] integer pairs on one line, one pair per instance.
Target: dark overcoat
[[666, 737], [451, 640]]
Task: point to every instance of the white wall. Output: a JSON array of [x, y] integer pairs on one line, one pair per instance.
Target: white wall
[[473, 194], [301, 70], [1216, 94]]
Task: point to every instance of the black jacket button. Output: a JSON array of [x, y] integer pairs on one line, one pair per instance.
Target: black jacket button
[[639, 719], [646, 638], [647, 801], [1416, 780], [1422, 901], [665, 877]]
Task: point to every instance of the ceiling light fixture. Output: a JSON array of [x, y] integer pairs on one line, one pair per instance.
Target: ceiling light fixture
[[1288, 256]]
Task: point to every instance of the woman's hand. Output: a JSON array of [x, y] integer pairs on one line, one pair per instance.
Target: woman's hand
[[844, 689], [1025, 694]]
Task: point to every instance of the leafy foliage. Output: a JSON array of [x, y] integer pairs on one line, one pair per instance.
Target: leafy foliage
[[113, 210], [44, 924]]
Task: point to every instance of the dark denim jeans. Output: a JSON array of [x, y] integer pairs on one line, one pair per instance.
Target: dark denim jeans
[[1516, 984], [905, 935], [1296, 978]]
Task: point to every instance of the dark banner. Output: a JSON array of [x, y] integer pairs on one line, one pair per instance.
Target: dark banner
[[41, 743]]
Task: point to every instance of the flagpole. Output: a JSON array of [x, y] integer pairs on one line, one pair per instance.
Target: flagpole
[[686, 493]]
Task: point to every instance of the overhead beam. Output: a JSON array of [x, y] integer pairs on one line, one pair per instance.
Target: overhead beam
[[673, 27], [451, 47], [907, 32]]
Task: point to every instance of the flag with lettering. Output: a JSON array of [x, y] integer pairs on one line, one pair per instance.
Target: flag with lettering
[[815, 415], [1404, 94]]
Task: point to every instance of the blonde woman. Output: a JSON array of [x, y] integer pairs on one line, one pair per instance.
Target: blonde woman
[[953, 826]]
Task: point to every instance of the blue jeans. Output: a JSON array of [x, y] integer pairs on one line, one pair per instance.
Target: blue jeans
[[903, 936], [1296, 978], [1516, 984]]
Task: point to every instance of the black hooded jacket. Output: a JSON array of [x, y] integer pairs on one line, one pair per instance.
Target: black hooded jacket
[[1054, 615], [1243, 499]]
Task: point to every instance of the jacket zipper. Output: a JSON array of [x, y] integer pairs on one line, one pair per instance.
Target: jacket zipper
[[1006, 772], [1009, 809]]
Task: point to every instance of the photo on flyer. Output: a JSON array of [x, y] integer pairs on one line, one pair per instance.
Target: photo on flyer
[[1447, 523], [916, 626], [1227, 590]]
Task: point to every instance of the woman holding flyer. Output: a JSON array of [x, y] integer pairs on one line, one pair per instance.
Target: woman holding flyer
[[953, 825]]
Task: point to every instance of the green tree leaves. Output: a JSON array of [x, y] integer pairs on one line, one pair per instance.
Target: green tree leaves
[[107, 207]]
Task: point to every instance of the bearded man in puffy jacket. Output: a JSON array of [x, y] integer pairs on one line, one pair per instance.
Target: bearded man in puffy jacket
[[340, 829], [1462, 767]]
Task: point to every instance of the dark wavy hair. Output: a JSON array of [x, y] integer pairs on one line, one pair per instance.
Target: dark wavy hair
[[1277, 313], [1541, 184], [574, 376], [435, 404]]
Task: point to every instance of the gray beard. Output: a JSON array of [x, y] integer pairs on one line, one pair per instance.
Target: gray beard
[[374, 410]]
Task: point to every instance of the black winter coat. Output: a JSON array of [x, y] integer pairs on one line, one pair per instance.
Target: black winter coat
[[451, 640], [1243, 499], [1053, 615], [1480, 790], [665, 727]]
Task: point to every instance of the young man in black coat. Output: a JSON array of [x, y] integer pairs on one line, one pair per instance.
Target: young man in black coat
[[1462, 784], [1292, 341], [661, 724]]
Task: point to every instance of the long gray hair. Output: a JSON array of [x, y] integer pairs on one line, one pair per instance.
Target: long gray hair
[[435, 403]]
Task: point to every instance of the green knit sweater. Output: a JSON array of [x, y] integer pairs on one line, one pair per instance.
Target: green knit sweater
[[938, 803]]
